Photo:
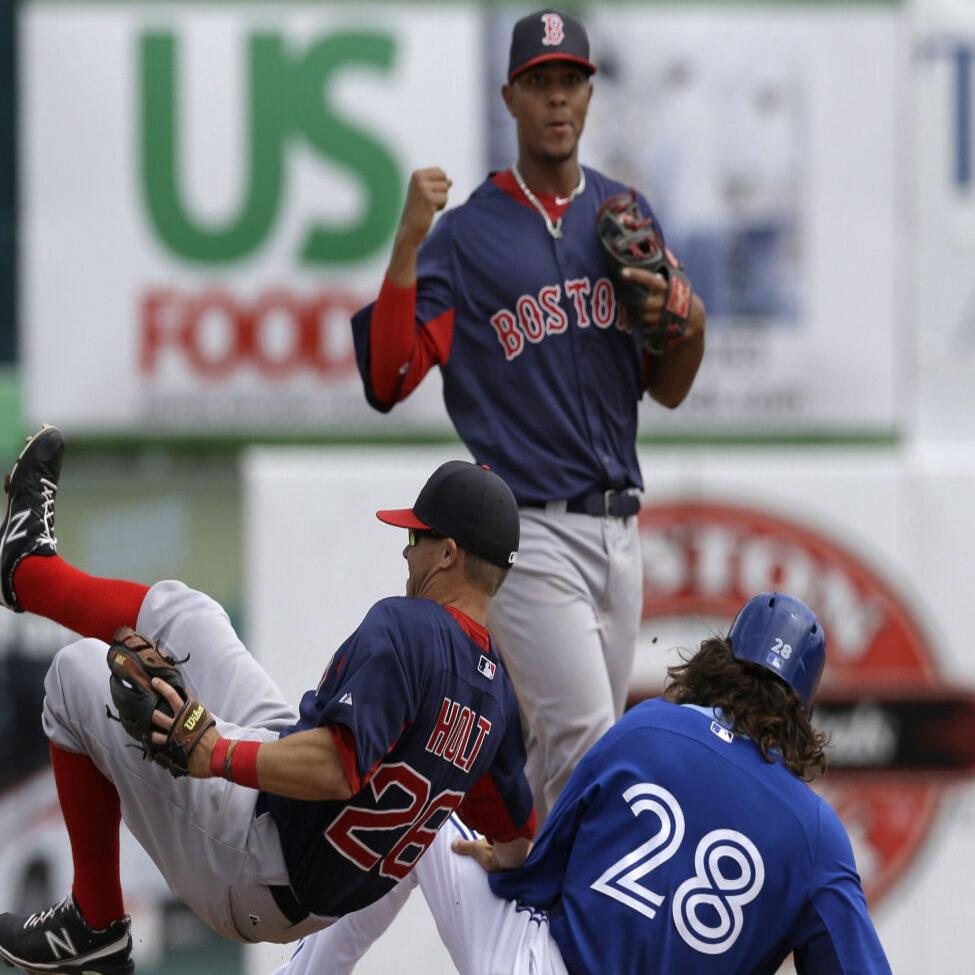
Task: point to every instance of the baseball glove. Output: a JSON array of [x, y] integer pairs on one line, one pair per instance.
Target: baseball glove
[[630, 240], [134, 661]]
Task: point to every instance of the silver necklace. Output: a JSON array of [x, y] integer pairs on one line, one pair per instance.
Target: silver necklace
[[555, 229]]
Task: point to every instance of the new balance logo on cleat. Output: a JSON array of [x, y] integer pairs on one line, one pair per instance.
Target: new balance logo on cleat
[[61, 945], [28, 525], [16, 529], [59, 941]]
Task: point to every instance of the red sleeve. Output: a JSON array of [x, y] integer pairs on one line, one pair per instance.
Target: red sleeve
[[345, 744], [400, 354], [483, 809]]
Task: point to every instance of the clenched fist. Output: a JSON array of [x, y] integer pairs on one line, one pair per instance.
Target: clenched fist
[[425, 197]]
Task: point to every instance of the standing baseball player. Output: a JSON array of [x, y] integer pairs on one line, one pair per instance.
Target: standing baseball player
[[288, 818], [545, 354], [685, 841]]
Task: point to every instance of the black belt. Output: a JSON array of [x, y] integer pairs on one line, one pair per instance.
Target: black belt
[[282, 894], [600, 504]]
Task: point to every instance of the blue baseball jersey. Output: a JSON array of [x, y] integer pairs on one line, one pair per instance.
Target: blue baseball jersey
[[696, 855], [432, 715], [543, 370]]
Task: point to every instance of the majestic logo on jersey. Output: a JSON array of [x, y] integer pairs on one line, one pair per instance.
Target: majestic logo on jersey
[[554, 30], [882, 700], [536, 317], [452, 734], [486, 667]]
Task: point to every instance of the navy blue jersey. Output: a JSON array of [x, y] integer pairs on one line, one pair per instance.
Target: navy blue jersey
[[544, 370], [432, 714], [675, 835]]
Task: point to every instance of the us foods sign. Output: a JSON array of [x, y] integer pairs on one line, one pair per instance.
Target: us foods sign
[[236, 178], [900, 733]]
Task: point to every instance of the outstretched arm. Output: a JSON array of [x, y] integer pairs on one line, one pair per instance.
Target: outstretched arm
[[305, 765]]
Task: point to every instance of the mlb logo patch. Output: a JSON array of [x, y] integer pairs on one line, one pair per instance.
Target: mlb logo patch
[[722, 732], [486, 667], [774, 660]]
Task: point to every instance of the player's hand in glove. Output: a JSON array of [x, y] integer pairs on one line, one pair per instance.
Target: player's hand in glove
[[149, 694], [650, 281]]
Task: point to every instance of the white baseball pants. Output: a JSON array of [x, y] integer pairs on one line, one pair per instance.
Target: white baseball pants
[[566, 623], [485, 934], [202, 834]]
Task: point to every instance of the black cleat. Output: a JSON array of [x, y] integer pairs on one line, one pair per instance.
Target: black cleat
[[28, 527], [60, 941]]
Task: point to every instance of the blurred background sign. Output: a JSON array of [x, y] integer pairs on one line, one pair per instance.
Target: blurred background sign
[[208, 192]]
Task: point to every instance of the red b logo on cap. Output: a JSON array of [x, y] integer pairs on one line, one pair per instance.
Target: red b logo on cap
[[554, 30]]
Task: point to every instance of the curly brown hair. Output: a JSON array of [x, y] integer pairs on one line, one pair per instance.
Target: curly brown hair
[[756, 702]]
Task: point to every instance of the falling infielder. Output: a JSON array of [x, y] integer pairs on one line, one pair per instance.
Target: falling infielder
[[288, 818], [685, 841], [511, 296]]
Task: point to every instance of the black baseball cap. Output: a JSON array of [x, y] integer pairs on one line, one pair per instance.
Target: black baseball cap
[[548, 35], [469, 504]]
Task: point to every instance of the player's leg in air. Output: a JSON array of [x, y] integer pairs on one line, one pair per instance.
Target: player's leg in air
[[89, 930]]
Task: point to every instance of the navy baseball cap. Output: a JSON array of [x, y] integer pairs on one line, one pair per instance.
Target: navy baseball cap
[[469, 504], [548, 35]]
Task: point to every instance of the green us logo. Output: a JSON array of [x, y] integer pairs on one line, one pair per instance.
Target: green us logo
[[287, 94]]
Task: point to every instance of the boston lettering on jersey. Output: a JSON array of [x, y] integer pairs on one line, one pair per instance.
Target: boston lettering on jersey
[[534, 318]]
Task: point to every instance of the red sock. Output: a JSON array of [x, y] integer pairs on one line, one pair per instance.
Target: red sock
[[92, 814], [48, 586]]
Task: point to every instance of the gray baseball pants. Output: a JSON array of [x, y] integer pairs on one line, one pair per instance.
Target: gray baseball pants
[[566, 622], [202, 834]]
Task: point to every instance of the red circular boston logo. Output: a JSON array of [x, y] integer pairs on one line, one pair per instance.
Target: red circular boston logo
[[899, 733]]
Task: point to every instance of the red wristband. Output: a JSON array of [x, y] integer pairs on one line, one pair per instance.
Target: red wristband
[[243, 764], [218, 756]]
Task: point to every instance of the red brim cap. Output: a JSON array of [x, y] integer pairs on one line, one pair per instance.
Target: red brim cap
[[402, 518], [555, 56]]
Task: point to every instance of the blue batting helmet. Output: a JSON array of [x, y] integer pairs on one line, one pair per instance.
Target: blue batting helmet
[[782, 634]]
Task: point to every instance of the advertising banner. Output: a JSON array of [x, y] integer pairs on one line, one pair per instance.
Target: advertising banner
[[878, 545], [210, 191], [766, 139], [942, 326]]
